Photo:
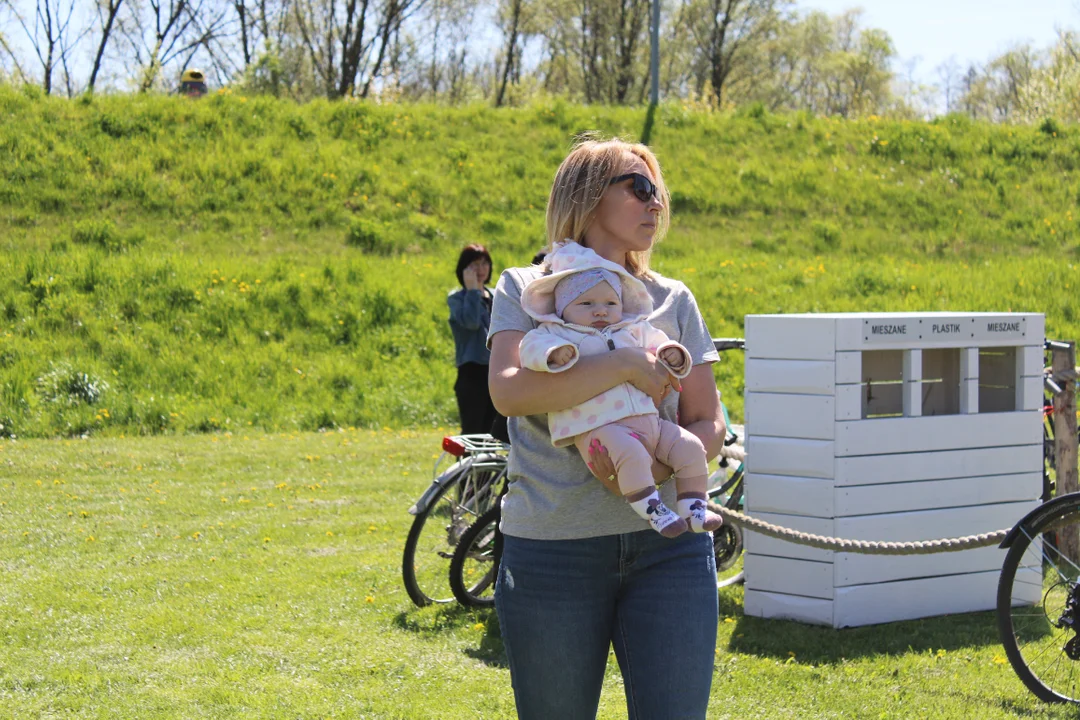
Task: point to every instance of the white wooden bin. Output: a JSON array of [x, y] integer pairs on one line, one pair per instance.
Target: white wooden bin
[[888, 426]]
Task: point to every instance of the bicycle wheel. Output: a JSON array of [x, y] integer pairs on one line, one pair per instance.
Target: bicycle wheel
[[728, 540], [464, 492], [475, 564], [1038, 603]]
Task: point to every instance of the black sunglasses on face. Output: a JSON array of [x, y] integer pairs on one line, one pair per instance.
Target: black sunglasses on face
[[643, 186]]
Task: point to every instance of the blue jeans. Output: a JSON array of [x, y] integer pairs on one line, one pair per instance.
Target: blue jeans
[[562, 603]]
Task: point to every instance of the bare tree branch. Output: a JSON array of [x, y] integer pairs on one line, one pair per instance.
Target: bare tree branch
[[111, 8]]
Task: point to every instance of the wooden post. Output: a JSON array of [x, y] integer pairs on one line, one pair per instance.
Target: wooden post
[[1063, 365]]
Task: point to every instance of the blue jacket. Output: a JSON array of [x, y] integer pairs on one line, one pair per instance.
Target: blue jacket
[[470, 317]]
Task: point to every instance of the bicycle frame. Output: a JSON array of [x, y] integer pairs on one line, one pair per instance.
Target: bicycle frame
[[491, 461]]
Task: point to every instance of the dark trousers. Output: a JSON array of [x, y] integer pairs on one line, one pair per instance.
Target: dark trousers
[[473, 399]]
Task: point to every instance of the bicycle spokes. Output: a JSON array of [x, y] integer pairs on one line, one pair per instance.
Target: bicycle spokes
[[1039, 605]]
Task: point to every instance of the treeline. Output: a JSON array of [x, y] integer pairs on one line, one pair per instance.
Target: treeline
[[713, 53]]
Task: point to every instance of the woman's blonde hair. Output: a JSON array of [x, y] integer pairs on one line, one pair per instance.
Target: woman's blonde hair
[[580, 183]]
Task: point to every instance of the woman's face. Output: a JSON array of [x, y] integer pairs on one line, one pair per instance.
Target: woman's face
[[621, 221], [483, 270]]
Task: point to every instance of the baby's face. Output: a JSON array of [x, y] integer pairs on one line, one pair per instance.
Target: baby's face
[[599, 306]]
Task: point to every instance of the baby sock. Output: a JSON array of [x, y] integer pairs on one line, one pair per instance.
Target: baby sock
[[663, 521], [697, 515]]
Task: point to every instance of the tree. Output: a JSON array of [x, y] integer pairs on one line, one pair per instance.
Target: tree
[[726, 32], [512, 23], [949, 73], [167, 32], [13, 58], [49, 35], [1008, 74], [347, 43], [107, 12]]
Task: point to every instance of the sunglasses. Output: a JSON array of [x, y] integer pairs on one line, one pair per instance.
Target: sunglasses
[[643, 186]]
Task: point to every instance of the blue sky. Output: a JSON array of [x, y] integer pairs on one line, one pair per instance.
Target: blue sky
[[972, 30]]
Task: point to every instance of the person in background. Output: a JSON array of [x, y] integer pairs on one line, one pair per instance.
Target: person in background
[[470, 316], [192, 83]]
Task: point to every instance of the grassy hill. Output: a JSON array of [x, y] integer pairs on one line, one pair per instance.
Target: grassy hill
[[177, 266]]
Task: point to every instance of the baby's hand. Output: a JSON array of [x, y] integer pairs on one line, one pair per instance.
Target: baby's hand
[[672, 356], [560, 356]]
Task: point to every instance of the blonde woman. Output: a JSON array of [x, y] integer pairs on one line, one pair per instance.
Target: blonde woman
[[578, 573]]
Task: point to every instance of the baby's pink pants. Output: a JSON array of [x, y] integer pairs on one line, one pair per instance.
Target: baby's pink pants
[[633, 442]]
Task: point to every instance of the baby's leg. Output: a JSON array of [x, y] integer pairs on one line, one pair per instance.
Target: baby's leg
[[683, 451], [633, 469]]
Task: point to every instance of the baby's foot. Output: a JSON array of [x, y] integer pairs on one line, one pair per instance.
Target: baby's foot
[[698, 516], [669, 524], [659, 515]]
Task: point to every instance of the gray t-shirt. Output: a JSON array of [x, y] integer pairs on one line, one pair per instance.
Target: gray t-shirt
[[552, 494]]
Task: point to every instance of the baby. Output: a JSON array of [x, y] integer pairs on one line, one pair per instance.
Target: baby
[[588, 306]]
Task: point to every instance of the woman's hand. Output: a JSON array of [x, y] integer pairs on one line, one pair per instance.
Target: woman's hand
[[648, 375], [470, 276], [603, 469]]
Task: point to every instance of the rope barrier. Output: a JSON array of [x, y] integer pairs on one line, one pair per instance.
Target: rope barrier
[[733, 452], [865, 547]]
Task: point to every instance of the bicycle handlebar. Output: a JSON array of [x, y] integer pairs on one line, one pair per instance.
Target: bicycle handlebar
[[722, 344]]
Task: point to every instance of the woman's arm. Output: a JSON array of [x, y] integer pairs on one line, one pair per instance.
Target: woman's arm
[[699, 409], [517, 391]]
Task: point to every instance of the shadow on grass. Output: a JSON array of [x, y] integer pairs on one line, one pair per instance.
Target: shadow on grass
[[491, 651], [818, 644], [436, 619]]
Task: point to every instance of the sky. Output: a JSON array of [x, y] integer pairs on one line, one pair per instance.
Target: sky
[[972, 30]]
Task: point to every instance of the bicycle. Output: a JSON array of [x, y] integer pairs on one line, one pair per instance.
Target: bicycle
[[457, 496], [728, 491], [475, 563], [1038, 598]]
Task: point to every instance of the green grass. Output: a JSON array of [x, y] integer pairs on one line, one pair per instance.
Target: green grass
[[169, 266], [257, 576], [229, 273]]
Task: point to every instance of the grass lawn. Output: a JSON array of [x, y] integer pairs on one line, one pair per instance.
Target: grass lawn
[[257, 576]]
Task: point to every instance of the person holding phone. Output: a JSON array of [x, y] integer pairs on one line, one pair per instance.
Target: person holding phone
[[470, 316]]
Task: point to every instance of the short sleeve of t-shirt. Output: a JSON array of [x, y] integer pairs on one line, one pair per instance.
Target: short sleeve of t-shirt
[[506, 310], [695, 335]]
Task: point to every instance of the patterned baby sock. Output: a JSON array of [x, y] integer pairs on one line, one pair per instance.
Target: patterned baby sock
[[697, 514], [663, 521]]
